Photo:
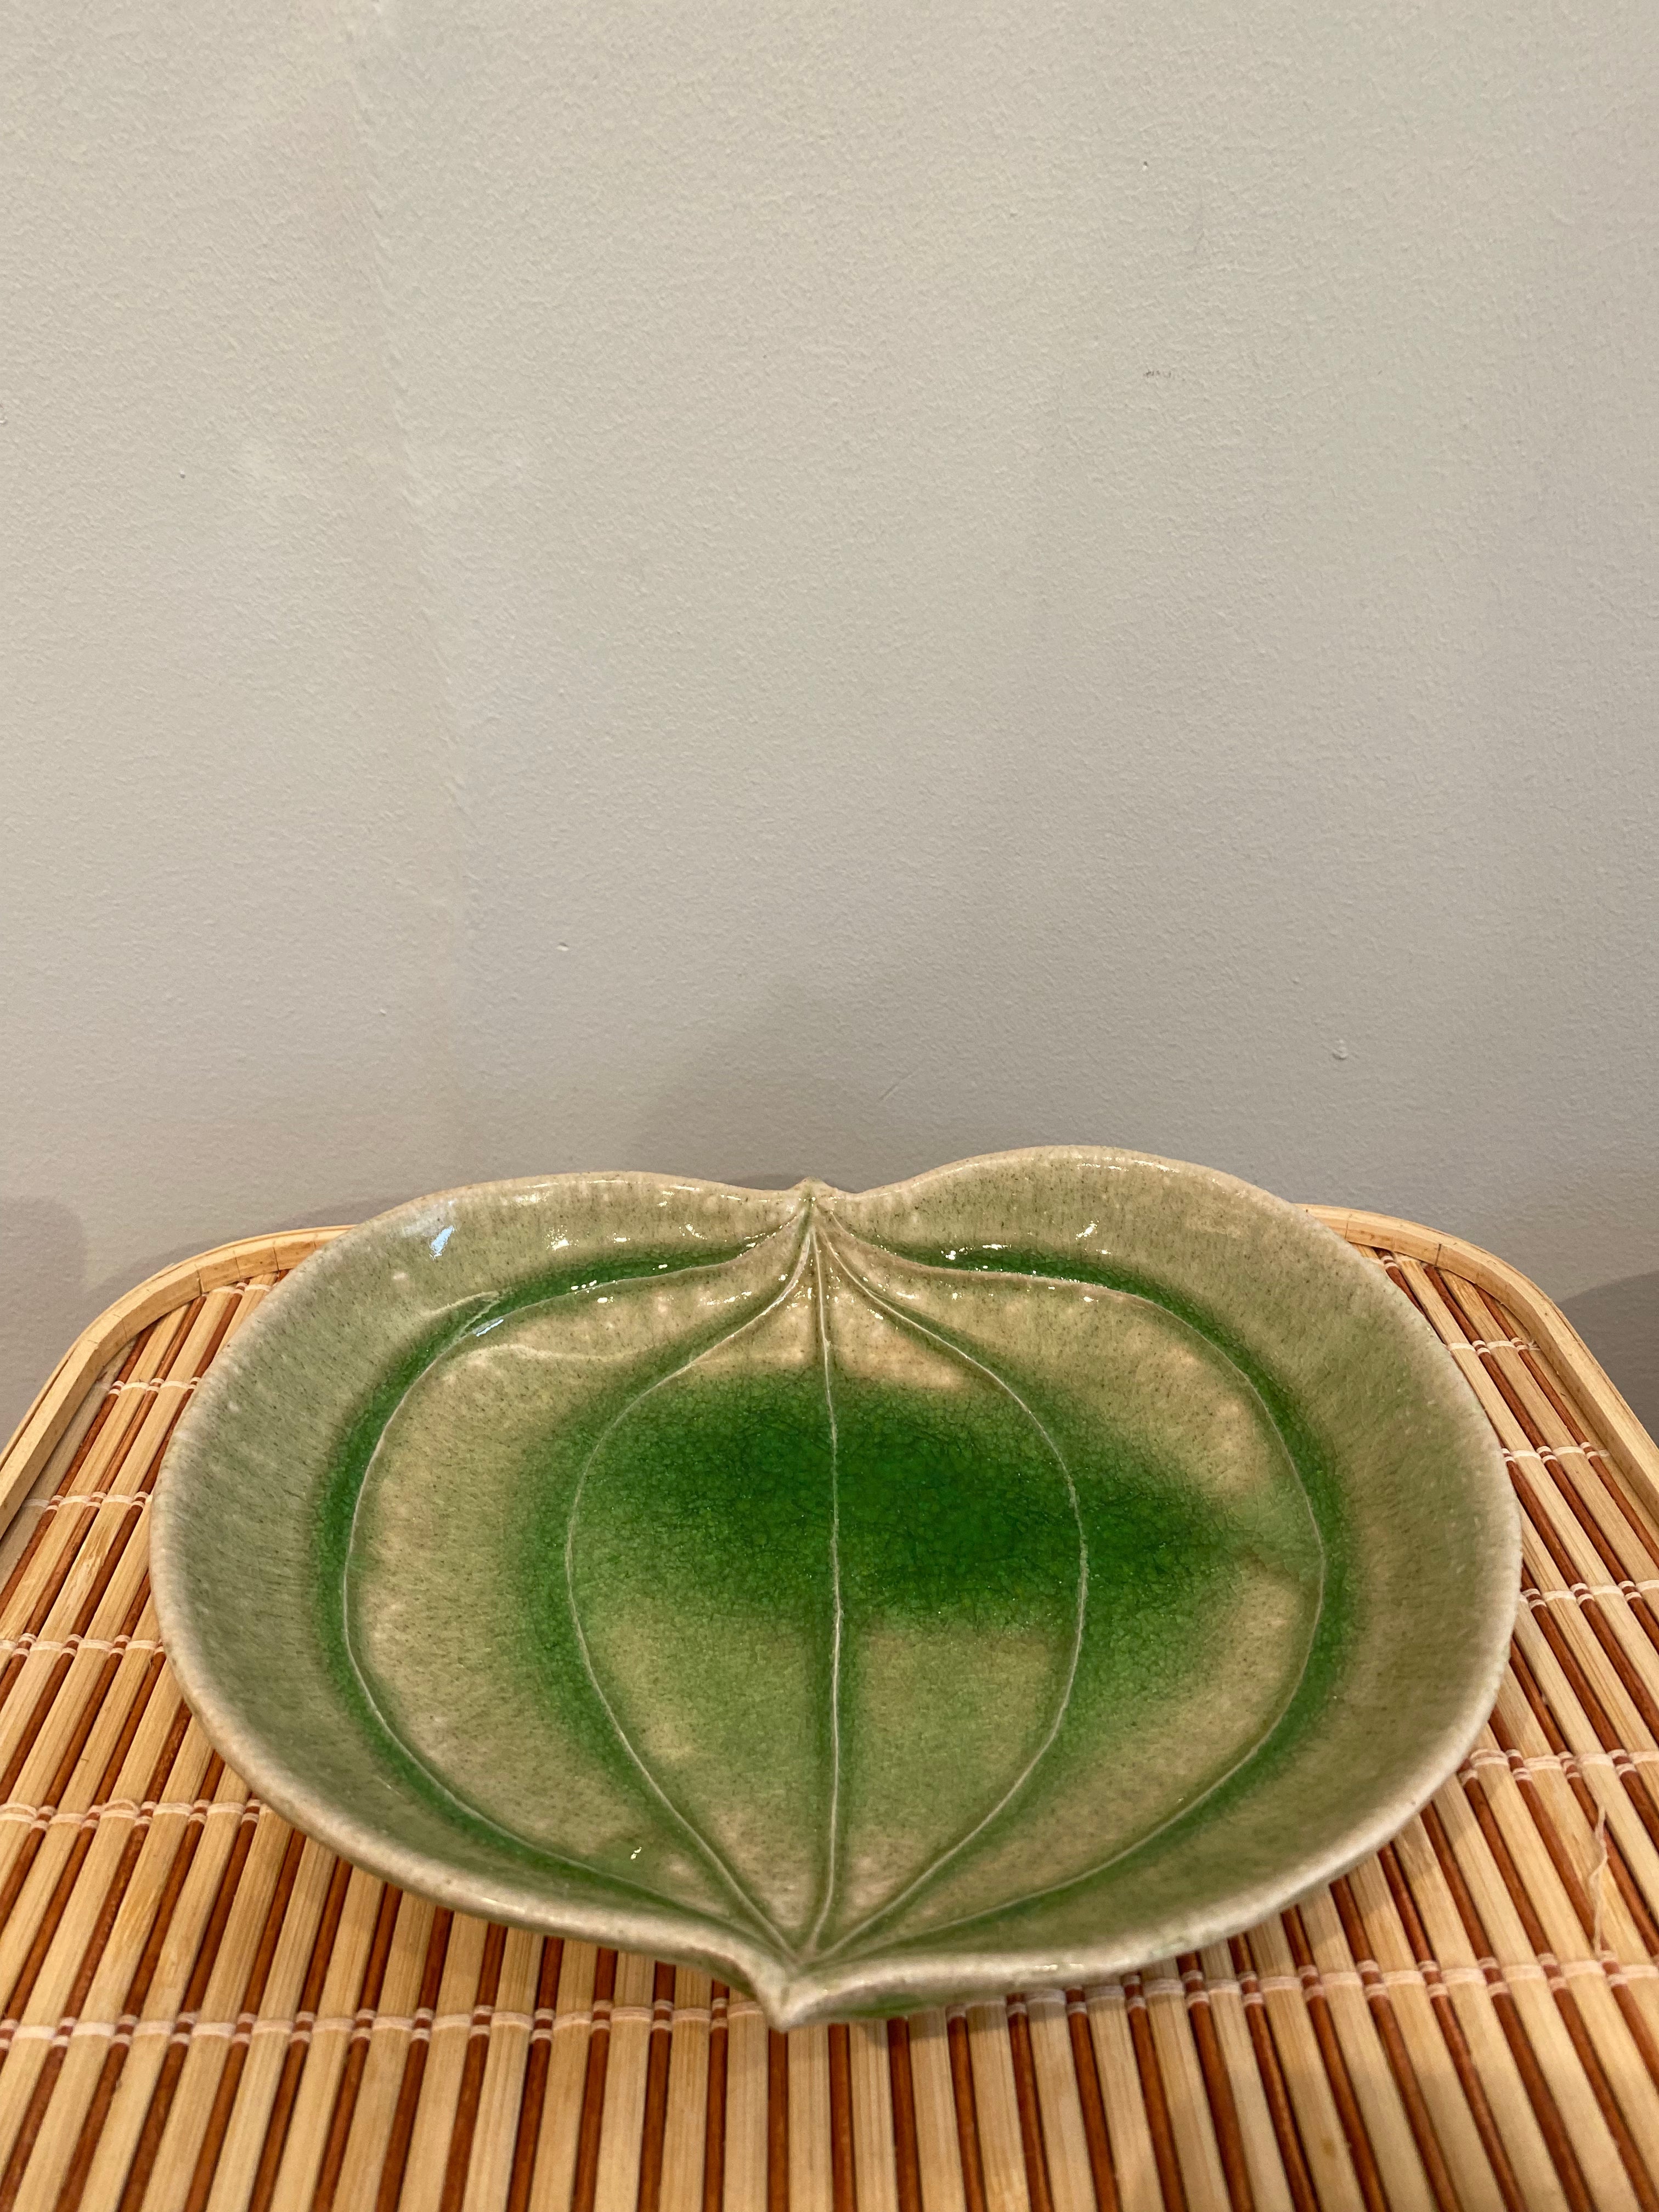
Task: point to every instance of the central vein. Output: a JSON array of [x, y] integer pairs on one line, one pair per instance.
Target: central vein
[[821, 1310]]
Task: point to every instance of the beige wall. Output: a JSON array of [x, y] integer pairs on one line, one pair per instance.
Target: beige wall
[[758, 588]]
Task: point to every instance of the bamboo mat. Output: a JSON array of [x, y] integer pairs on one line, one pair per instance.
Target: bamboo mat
[[200, 2009]]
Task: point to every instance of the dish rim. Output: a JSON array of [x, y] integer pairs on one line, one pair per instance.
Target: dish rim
[[882, 1983]]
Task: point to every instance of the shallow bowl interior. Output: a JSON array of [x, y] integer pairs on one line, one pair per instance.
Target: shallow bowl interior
[[1003, 1577]]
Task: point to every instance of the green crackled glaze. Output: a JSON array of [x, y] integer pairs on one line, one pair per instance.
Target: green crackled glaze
[[1002, 1577]]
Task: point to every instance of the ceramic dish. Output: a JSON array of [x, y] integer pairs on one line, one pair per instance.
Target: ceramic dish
[[1001, 1578]]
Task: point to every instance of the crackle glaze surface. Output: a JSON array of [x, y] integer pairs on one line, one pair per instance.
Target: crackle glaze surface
[[1004, 1577]]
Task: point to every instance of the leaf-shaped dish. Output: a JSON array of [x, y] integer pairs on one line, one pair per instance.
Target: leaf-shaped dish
[[1055, 1561]]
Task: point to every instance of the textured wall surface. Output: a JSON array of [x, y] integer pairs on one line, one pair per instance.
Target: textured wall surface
[[764, 588]]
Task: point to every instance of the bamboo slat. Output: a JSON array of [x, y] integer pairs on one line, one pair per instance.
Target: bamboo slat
[[201, 2011], [751, 2094], [685, 2126], [940, 2181]]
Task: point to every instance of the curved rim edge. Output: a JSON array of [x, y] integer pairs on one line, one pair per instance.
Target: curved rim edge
[[893, 1983]]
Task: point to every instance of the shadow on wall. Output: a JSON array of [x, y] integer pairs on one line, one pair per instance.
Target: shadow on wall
[[1620, 1323], [45, 1300]]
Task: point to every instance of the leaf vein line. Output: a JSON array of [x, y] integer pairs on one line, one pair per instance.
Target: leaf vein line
[[791, 1284], [909, 1321], [838, 1608]]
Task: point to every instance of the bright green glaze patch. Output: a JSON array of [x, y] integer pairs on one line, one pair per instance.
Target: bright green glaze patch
[[471, 1320], [999, 1578], [1317, 1469], [834, 1603]]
